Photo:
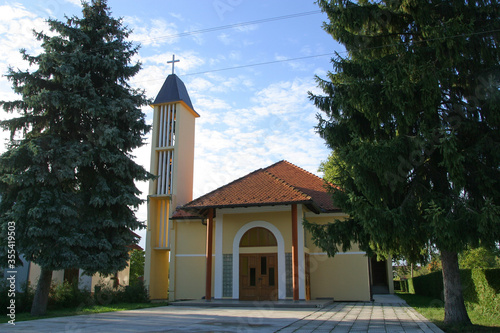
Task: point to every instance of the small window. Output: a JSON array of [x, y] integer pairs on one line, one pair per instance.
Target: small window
[[263, 265], [252, 277], [271, 276]]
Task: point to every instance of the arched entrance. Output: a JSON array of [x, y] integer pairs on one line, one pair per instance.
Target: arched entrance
[[259, 272]]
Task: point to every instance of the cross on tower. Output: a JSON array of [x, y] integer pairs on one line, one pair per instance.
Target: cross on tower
[[173, 61]]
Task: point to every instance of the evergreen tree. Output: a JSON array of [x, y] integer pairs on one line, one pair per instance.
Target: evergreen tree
[[67, 178], [412, 115]]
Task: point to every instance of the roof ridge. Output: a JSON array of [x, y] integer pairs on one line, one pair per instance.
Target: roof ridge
[[284, 182], [294, 166], [302, 169]]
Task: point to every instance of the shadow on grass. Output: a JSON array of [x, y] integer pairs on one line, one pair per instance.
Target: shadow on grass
[[433, 309]]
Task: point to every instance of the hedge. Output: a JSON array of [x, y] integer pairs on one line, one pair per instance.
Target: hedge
[[404, 286], [481, 288]]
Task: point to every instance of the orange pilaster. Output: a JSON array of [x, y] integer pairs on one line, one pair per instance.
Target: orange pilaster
[[208, 255], [295, 254]]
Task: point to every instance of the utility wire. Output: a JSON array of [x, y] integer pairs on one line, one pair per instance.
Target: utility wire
[[333, 53], [261, 63], [230, 26]]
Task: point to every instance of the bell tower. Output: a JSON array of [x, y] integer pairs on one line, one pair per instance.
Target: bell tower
[[172, 161]]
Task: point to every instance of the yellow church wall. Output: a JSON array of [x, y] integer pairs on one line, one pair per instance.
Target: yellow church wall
[[191, 237], [344, 277], [324, 220], [190, 277], [190, 261]]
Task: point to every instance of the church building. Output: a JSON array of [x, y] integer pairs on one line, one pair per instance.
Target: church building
[[244, 240]]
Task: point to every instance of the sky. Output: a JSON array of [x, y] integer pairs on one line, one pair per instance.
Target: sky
[[247, 65]]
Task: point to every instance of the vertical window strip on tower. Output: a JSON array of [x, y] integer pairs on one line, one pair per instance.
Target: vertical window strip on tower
[[172, 125], [166, 139], [166, 125]]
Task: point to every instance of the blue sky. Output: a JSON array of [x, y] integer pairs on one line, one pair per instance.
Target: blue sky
[[252, 114]]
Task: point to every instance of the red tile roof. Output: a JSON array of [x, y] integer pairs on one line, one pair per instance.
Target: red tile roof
[[305, 182], [181, 214], [279, 184]]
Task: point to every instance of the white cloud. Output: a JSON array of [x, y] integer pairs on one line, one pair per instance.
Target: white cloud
[[14, 12], [199, 85], [211, 104], [177, 16], [74, 2], [277, 125], [154, 33], [225, 39], [16, 32]]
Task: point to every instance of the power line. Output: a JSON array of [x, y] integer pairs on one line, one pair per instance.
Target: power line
[[231, 26], [333, 53], [224, 27], [260, 64]]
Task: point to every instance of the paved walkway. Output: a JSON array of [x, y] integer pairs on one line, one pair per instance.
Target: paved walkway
[[383, 315]]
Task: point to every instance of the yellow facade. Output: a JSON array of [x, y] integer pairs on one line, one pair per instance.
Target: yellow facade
[[344, 277]]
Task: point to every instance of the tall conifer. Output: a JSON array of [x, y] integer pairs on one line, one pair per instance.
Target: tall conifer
[[67, 178], [412, 115]]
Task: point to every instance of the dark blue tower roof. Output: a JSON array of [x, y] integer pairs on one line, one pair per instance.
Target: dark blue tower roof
[[173, 90]]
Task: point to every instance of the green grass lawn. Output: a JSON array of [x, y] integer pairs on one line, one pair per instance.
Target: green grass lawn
[[433, 309], [85, 310]]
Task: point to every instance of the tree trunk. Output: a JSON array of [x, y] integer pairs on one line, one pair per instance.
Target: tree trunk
[[454, 306], [39, 306]]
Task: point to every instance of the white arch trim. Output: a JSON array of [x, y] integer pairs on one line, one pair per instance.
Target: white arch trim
[[281, 257]]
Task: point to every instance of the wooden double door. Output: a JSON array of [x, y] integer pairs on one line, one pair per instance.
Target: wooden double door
[[259, 277]]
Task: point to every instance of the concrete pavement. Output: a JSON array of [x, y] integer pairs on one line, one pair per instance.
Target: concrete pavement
[[389, 314]]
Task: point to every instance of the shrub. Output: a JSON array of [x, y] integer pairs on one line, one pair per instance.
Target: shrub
[[481, 288], [429, 285], [134, 293], [68, 295], [104, 294]]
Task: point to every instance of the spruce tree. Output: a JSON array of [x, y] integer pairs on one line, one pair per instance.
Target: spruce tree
[[67, 178], [411, 112]]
